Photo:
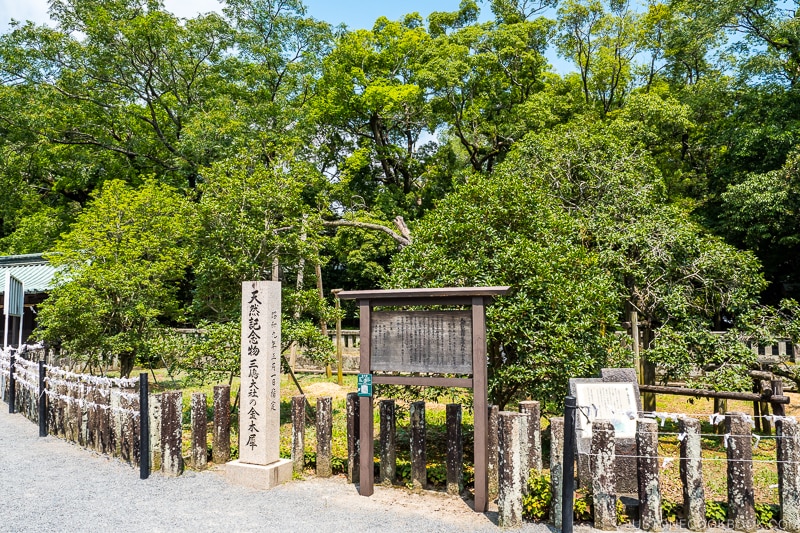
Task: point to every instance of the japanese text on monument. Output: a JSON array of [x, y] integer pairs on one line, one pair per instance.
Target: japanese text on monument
[[260, 372], [253, 351]]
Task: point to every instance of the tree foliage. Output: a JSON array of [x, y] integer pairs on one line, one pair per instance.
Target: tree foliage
[[658, 176], [120, 267]]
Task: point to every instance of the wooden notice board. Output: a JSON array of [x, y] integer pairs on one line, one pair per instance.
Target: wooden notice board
[[437, 342], [433, 342]]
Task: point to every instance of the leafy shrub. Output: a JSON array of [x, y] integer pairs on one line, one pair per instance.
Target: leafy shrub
[[716, 512], [536, 504], [582, 507], [767, 515], [622, 514], [403, 471], [310, 459], [338, 465], [436, 473], [670, 510]]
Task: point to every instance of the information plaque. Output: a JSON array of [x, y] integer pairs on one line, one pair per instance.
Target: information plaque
[[611, 401], [422, 341]]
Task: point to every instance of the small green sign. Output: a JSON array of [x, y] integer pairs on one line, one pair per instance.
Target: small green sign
[[365, 385]]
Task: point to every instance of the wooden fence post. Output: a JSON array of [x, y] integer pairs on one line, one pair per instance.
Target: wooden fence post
[[649, 490], [789, 473], [199, 452], [556, 469], [353, 428], [691, 471], [419, 475], [298, 433], [324, 435], [777, 390], [741, 497], [221, 439], [387, 441], [757, 404], [603, 475], [455, 449], [764, 408], [511, 437]]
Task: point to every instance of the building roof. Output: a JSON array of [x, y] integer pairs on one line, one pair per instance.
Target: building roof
[[33, 270]]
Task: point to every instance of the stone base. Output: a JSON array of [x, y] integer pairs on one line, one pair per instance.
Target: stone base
[[259, 476]]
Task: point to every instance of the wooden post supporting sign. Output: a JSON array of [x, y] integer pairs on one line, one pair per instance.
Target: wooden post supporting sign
[[397, 346]]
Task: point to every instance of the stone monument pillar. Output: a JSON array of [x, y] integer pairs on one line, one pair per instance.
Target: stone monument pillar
[[259, 464]]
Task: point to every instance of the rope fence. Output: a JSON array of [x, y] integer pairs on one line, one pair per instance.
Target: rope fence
[[100, 413]]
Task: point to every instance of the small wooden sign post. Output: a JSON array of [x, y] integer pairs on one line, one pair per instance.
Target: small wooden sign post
[[429, 342]]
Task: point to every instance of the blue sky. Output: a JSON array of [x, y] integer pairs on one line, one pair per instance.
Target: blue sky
[[362, 14], [354, 13]]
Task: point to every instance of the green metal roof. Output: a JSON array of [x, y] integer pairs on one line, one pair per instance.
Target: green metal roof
[[34, 272]]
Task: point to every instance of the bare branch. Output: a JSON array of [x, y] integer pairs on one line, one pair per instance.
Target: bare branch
[[401, 240]]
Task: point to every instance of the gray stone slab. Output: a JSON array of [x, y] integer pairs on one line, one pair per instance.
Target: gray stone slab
[[618, 402]]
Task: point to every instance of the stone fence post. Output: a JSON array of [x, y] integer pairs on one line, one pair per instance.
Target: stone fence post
[[649, 490], [455, 449], [741, 496], [324, 436], [353, 427], [603, 475], [298, 433], [512, 434], [171, 433], [789, 473], [388, 452], [155, 431], [419, 476], [691, 469], [556, 469], [199, 452], [533, 441], [221, 439]]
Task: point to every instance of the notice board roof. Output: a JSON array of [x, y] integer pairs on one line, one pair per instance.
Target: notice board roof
[[32, 269], [406, 294]]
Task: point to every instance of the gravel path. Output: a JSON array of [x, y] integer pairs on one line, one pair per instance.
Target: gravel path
[[51, 485]]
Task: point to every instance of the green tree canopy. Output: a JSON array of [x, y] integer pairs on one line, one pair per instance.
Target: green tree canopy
[[120, 267]]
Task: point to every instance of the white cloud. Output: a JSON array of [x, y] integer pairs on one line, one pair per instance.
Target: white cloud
[[190, 8], [36, 10]]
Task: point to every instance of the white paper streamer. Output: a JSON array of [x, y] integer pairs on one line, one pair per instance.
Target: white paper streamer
[[86, 404], [98, 381]]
